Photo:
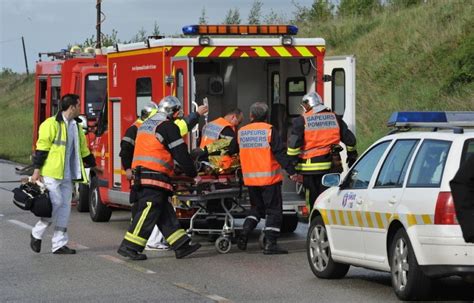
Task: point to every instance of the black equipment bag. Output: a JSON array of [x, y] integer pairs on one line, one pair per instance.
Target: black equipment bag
[[30, 196]]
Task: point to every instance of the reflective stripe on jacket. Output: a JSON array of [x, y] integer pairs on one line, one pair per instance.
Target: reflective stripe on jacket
[[52, 137], [321, 130], [212, 131], [210, 134], [259, 166], [149, 151]]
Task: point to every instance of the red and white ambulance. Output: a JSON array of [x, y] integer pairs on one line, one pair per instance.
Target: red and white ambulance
[[230, 65]]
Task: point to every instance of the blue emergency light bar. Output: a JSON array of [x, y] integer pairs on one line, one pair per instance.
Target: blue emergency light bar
[[431, 119], [240, 29]]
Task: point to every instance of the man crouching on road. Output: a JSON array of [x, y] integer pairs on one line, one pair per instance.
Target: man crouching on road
[[261, 154], [61, 151]]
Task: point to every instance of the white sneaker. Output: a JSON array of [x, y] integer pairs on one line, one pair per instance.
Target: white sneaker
[[159, 246]]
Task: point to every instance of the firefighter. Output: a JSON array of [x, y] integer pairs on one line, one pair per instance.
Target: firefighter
[[127, 147], [225, 129], [262, 155], [158, 144], [313, 136], [61, 152]]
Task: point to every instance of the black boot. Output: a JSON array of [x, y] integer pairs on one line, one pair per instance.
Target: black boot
[[186, 249], [242, 241], [130, 253], [35, 244], [272, 248]]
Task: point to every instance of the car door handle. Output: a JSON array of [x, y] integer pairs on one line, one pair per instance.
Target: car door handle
[[359, 201], [392, 200]]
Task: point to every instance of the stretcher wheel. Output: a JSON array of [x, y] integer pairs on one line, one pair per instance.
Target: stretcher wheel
[[262, 240], [223, 245]]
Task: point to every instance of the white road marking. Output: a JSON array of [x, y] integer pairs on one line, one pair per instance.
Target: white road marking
[[197, 291], [29, 227], [1, 215], [129, 265], [76, 245], [21, 224]]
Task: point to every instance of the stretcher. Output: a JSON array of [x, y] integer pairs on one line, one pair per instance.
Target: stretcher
[[220, 197]]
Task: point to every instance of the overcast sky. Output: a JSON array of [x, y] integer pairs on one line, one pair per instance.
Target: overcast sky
[[50, 25]]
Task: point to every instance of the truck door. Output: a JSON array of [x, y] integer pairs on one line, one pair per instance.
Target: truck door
[[182, 88], [339, 92]]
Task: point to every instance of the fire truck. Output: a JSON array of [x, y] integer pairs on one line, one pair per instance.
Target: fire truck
[[70, 72], [230, 65]]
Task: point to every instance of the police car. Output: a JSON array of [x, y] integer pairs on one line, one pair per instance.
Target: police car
[[393, 210]]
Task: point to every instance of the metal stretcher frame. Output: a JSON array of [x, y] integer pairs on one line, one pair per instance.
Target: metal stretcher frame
[[200, 200]]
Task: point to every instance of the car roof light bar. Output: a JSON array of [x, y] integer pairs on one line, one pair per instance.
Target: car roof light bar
[[431, 119], [239, 29]]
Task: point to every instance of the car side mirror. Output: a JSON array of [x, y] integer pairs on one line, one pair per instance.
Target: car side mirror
[[331, 180]]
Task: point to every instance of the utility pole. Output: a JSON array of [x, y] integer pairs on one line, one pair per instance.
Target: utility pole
[[24, 54], [98, 44]]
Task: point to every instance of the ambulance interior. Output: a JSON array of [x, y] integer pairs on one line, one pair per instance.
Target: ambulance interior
[[231, 83]]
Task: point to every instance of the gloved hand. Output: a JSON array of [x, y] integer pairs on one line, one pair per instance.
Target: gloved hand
[[198, 153], [351, 158]]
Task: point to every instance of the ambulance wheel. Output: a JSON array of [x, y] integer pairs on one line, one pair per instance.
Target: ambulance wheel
[[83, 201], [98, 211], [289, 223], [262, 240], [408, 280], [223, 245], [319, 253]]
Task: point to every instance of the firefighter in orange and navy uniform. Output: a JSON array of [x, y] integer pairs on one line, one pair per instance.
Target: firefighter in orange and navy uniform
[[262, 156], [310, 142], [158, 145], [222, 128]]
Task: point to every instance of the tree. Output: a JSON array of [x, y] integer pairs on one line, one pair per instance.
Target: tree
[[203, 17], [140, 36], [404, 3], [107, 40], [232, 16], [321, 10], [300, 14], [156, 29], [358, 7], [255, 12], [274, 18]]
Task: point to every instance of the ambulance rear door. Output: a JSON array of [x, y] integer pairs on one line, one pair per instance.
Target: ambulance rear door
[[182, 88], [339, 87]]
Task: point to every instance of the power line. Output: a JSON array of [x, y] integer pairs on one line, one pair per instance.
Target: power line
[[10, 40]]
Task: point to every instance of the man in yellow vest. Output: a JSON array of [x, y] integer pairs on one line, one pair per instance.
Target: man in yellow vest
[[61, 152], [262, 155], [158, 144], [312, 137]]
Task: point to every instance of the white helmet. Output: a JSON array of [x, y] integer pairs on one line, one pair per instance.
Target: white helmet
[[169, 105], [312, 99], [148, 109]]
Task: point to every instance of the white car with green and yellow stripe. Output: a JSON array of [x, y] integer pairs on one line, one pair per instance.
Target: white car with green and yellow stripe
[[393, 210]]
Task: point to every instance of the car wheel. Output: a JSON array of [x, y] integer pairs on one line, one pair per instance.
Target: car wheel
[[289, 223], [319, 253], [408, 281], [97, 210], [83, 201]]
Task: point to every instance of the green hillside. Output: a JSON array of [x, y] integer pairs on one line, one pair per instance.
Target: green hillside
[[418, 58], [16, 116]]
